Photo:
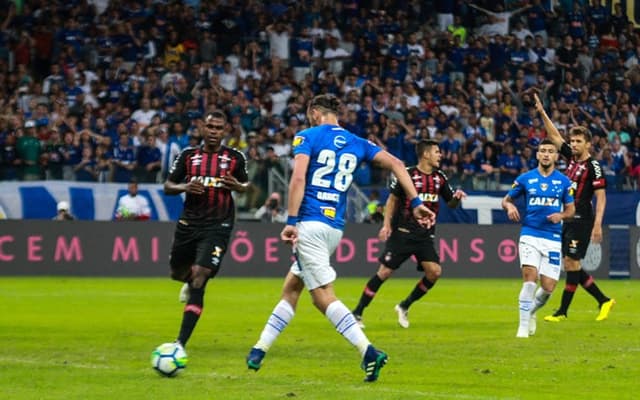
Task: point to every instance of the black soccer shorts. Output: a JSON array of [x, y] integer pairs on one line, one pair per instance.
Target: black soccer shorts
[[198, 245], [400, 246], [575, 239]]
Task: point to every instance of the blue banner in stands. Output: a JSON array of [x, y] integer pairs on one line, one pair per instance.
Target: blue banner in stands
[[98, 201]]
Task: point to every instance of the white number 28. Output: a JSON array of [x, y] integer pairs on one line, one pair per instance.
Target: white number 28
[[346, 164]]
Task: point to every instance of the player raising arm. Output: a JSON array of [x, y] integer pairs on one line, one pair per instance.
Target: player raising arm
[[588, 181]]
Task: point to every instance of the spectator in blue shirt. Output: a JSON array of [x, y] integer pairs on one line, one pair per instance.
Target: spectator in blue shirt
[[149, 160], [124, 159], [510, 166]]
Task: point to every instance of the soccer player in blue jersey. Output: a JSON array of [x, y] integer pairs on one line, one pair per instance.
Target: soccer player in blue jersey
[[325, 158], [548, 201]]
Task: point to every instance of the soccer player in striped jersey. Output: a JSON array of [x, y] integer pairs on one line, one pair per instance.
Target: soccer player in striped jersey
[[405, 236], [207, 174], [325, 158], [588, 182], [548, 201]]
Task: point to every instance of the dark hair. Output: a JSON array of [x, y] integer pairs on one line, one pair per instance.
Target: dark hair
[[547, 141], [326, 103], [425, 145], [218, 114], [580, 131]]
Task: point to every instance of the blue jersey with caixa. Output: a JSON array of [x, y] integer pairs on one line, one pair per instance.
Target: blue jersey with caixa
[[334, 154], [543, 197]]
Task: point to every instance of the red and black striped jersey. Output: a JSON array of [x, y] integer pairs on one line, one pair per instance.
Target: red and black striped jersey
[[430, 188], [586, 177], [216, 205]]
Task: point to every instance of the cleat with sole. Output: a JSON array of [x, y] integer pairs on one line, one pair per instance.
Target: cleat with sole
[[523, 333], [254, 359], [372, 363], [403, 316], [605, 308], [555, 318]]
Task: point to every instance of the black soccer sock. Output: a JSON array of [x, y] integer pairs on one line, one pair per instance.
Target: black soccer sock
[[368, 294], [420, 290], [590, 286], [192, 312], [573, 277]]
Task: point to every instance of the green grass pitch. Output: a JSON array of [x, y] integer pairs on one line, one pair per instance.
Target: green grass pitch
[[82, 338]]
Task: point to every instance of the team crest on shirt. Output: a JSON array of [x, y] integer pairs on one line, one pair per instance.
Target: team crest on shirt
[[196, 159], [436, 179], [297, 141], [339, 141], [224, 161], [544, 187]]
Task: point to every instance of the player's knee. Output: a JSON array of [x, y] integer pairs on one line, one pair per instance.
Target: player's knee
[[433, 272], [200, 276], [548, 286], [384, 273], [571, 264]]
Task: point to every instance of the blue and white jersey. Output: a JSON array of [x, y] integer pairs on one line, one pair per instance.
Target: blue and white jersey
[[543, 197], [335, 154]]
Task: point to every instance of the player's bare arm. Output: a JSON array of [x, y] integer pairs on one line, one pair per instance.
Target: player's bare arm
[[297, 186], [568, 213], [552, 132], [512, 211], [458, 195], [601, 202], [389, 209], [232, 183]]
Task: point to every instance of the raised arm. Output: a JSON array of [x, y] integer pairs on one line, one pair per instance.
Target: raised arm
[[484, 10], [552, 132]]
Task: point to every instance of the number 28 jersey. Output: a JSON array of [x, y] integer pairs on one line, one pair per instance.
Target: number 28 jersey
[[334, 154]]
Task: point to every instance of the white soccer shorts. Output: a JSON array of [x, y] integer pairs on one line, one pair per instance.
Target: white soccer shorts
[[316, 243], [544, 254]]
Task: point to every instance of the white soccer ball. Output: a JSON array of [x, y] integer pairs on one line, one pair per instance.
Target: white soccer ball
[[169, 359]]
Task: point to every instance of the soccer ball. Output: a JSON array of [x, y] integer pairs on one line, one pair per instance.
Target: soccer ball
[[169, 359]]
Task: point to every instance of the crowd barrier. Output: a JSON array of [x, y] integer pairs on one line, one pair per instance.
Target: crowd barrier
[[101, 248]]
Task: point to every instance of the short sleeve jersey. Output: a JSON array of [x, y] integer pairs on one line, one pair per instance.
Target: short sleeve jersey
[[544, 195], [430, 187], [586, 177], [216, 205], [334, 154]]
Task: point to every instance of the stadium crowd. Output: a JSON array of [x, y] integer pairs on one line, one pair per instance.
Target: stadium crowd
[[109, 90]]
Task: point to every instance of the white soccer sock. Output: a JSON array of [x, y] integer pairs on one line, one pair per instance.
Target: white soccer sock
[[525, 301], [279, 319], [542, 296], [347, 326]]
